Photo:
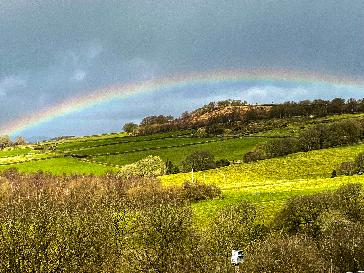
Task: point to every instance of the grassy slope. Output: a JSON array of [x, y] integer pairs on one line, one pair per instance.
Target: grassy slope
[[232, 149], [270, 182], [125, 147], [61, 165], [16, 151]]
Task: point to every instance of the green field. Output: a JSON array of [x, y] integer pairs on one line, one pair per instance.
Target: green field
[[269, 183], [231, 149], [16, 151], [121, 150], [59, 166]]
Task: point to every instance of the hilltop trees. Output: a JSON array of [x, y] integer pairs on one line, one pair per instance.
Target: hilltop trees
[[130, 127], [20, 141], [243, 117], [5, 141]]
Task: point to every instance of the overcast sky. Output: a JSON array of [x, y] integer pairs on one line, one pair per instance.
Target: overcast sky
[[51, 51]]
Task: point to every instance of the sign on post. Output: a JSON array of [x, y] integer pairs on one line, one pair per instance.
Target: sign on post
[[237, 257]]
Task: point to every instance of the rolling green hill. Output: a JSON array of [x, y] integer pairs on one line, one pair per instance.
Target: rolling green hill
[[268, 183], [67, 155]]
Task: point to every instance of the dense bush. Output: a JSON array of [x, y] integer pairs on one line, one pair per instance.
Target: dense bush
[[342, 133], [301, 214], [196, 191], [341, 243], [149, 166], [347, 168], [222, 163], [294, 254], [313, 138], [281, 147], [199, 161], [235, 227], [352, 167], [254, 155], [171, 168], [130, 127], [115, 224], [93, 224]]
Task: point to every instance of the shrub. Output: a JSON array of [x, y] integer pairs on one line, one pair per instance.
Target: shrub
[[198, 191], [347, 168], [201, 132], [222, 163], [214, 130], [280, 255], [233, 228], [254, 155], [149, 166], [312, 138], [171, 168], [299, 215], [199, 161], [341, 243], [342, 133], [359, 163], [352, 167], [281, 147], [130, 127], [348, 200]]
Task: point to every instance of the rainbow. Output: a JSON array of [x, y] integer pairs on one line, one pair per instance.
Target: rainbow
[[104, 95]]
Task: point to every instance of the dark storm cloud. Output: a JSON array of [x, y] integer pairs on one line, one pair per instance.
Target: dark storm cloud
[[52, 50]]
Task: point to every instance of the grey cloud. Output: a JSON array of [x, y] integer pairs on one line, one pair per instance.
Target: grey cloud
[[66, 48]]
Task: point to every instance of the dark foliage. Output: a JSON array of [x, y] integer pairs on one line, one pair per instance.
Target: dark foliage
[[222, 163], [294, 254], [281, 147], [196, 191], [171, 168], [352, 167], [199, 161]]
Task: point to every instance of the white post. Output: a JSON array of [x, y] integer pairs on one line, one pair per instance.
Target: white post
[[192, 175]]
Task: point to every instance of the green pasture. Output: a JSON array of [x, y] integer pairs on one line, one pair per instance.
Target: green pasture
[[88, 142], [269, 183], [151, 144], [231, 149], [60, 166], [16, 151]]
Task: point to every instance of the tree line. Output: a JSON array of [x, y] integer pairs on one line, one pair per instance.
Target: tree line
[[5, 141], [317, 137], [237, 111]]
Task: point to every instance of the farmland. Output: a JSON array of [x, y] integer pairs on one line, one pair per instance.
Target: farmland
[[269, 183], [120, 214], [118, 151]]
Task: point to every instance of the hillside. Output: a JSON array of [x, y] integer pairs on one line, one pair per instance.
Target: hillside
[[278, 203], [268, 183]]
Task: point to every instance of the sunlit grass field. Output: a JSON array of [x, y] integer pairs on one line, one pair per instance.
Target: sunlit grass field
[[60, 166], [269, 183]]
